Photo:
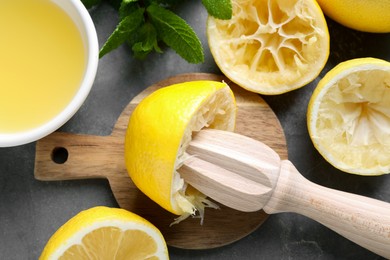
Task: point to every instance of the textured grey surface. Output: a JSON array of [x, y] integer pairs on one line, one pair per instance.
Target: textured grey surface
[[31, 210]]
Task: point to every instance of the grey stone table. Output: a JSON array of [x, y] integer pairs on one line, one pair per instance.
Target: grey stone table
[[31, 210]]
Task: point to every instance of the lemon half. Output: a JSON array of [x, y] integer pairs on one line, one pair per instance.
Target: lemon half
[[270, 46], [349, 116], [159, 131], [106, 233]]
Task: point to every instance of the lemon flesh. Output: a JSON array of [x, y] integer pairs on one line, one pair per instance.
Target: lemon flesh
[[159, 132], [270, 46], [106, 233], [349, 116], [363, 15]]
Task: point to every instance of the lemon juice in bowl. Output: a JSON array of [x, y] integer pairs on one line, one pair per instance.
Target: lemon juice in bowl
[[48, 61]]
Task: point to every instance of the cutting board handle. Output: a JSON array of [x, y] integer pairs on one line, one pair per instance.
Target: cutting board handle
[[66, 156], [363, 220]]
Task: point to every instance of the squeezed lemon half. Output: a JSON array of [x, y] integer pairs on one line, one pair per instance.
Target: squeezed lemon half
[[349, 116], [159, 132], [270, 46]]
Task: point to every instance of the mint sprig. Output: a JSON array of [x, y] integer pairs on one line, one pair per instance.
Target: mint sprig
[[176, 33], [145, 24], [123, 31]]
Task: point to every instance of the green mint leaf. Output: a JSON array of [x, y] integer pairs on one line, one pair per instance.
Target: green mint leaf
[[123, 31], [89, 3], [220, 9], [127, 7], [145, 41], [176, 33]]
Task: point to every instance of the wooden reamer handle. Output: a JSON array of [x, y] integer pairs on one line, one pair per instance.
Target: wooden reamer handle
[[363, 220]]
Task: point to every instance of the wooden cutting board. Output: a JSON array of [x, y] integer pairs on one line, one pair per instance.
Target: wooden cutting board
[[103, 157]]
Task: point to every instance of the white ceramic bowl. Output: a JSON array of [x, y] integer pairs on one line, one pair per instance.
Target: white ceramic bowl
[[76, 10]]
